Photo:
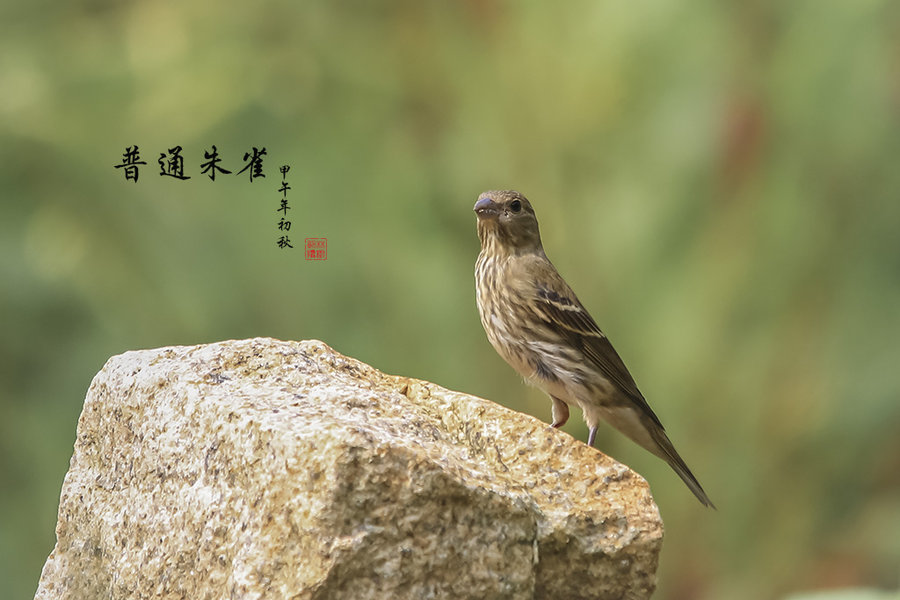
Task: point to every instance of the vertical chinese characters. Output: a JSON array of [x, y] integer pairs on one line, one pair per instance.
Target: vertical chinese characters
[[284, 225]]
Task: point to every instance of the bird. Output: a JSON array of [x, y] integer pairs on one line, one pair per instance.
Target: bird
[[538, 325]]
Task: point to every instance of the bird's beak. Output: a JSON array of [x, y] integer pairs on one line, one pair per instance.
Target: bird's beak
[[486, 208]]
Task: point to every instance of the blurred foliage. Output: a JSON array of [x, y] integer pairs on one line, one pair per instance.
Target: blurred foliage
[[850, 594], [718, 180]]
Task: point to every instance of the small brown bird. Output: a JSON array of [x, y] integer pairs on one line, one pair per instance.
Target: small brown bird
[[537, 324]]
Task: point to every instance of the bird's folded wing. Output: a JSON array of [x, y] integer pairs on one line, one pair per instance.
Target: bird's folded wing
[[566, 312]]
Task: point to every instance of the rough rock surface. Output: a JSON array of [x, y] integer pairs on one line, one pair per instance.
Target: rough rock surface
[[270, 469]]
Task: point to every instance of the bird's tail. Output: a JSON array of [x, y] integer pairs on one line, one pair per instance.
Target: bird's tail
[[666, 451]]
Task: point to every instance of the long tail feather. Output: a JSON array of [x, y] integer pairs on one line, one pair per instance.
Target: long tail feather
[[670, 455]]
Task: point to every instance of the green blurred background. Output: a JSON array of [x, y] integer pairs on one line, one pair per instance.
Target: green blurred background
[[719, 181]]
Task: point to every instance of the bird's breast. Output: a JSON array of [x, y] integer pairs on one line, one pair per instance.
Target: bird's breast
[[511, 332]]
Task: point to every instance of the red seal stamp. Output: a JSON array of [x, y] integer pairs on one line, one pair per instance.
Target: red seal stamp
[[316, 248]]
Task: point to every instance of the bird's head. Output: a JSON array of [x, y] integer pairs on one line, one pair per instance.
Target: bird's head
[[507, 221]]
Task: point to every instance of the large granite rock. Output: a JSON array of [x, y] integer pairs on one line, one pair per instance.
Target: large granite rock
[[269, 469]]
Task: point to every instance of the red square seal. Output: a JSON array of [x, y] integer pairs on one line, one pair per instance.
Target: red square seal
[[316, 248]]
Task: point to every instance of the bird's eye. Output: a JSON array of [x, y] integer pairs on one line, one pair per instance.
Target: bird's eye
[[515, 206]]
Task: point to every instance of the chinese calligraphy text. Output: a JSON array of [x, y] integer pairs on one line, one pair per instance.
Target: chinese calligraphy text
[[171, 163]]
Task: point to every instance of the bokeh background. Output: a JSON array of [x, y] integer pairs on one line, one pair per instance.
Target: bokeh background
[[719, 181]]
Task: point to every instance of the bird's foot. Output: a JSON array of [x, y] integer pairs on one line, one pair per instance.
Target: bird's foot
[[560, 412]]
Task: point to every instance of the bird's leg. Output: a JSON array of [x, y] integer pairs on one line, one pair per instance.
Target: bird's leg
[[592, 433], [560, 412]]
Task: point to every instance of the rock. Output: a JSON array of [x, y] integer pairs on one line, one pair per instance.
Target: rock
[[269, 469]]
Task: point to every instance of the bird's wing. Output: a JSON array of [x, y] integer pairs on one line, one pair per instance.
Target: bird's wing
[[558, 305]]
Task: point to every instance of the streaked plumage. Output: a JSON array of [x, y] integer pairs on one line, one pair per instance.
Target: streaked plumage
[[537, 324]]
